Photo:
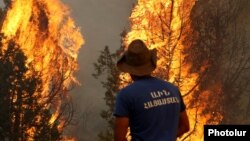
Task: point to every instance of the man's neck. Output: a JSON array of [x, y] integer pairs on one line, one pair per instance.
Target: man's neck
[[134, 77]]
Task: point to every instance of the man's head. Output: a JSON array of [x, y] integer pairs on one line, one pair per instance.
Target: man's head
[[138, 60]]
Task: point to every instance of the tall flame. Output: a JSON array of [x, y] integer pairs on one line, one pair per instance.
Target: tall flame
[[50, 39], [164, 24]]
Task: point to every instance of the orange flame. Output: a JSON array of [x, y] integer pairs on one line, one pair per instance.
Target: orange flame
[[49, 38], [162, 25]]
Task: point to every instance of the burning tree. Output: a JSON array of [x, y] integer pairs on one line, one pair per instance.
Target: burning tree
[[164, 25], [161, 25], [193, 51], [46, 41], [21, 114], [220, 47], [197, 52]]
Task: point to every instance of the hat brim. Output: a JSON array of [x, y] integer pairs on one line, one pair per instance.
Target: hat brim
[[141, 70]]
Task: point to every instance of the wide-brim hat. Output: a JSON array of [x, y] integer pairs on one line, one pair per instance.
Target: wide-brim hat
[[137, 59]]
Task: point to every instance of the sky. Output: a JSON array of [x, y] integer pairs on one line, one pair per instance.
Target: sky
[[100, 22]]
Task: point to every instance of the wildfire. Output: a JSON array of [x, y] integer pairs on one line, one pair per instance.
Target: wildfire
[[49, 38], [162, 24]]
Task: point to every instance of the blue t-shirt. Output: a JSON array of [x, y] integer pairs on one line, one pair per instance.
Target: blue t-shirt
[[153, 107]]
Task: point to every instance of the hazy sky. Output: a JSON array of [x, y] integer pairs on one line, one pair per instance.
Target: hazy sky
[[101, 22]]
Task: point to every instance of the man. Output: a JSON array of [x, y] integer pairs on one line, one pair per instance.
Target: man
[[152, 108]]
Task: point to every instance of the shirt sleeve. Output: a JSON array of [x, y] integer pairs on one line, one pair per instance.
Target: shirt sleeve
[[121, 105]]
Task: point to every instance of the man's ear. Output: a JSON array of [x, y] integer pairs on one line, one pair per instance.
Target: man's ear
[[154, 56]]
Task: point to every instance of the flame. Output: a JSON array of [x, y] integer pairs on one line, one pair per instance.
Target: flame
[[162, 24], [69, 139], [51, 41]]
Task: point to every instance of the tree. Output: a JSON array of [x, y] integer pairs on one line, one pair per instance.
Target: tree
[[220, 48], [164, 25], [106, 65], [23, 117], [196, 51], [157, 23], [49, 100], [198, 48]]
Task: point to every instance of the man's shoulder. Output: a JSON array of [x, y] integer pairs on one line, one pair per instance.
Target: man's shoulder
[[166, 82], [128, 88], [169, 85], [152, 81]]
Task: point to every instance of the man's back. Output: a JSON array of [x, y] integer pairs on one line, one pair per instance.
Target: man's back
[[153, 107]]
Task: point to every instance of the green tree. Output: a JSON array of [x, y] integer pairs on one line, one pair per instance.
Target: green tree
[[106, 65]]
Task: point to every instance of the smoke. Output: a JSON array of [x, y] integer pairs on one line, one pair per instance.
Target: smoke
[[101, 23]]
